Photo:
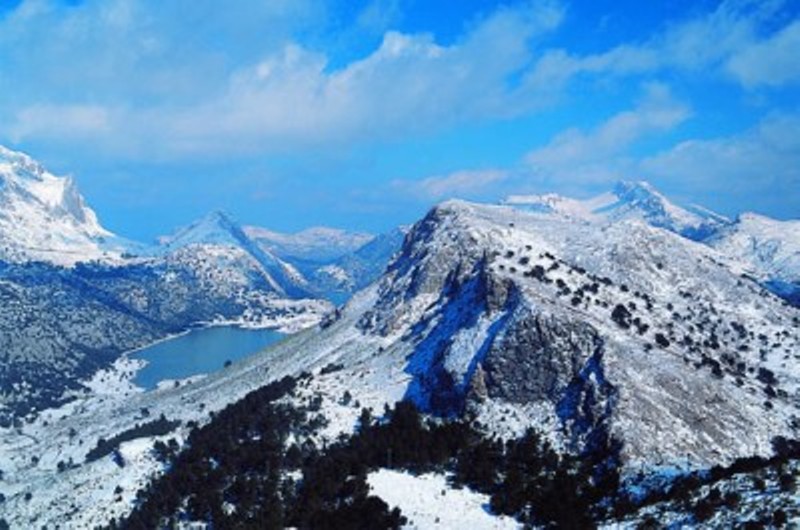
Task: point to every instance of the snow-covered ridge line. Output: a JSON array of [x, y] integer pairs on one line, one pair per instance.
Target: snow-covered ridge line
[[764, 248], [627, 200]]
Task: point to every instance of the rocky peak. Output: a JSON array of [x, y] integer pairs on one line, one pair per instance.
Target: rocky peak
[[523, 306]]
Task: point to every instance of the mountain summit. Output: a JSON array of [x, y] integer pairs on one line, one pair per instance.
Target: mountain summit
[[764, 248], [216, 227], [628, 200], [43, 217], [218, 235]]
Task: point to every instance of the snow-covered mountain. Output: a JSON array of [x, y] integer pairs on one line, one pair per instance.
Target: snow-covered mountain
[[576, 318], [513, 318], [577, 326], [334, 263], [769, 249], [353, 271], [317, 244], [298, 265], [764, 248], [628, 200], [75, 296], [217, 236], [43, 217]]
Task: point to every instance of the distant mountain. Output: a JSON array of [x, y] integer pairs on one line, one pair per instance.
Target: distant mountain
[[75, 296], [355, 270], [334, 263], [216, 233], [764, 248], [628, 200], [317, 244]]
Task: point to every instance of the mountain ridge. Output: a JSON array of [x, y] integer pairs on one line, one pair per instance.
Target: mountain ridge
[[766, 248], [627, 200]]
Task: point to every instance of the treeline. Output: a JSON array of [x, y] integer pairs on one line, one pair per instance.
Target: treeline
[[158, 427], [525, 477], [237, 471], [235, 461], [253, 466]]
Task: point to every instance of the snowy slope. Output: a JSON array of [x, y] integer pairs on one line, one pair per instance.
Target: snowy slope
[[509, 316], [43, 217], [217, 235], [428, 501], [769, 249]]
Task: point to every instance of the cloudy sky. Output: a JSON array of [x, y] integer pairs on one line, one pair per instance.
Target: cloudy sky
[[363, 113]]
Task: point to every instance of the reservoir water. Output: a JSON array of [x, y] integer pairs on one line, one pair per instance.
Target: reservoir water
[[200, 351]]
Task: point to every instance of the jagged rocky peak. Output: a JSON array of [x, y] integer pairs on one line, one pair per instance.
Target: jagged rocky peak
[[45, 218], [437, 251], [21, 164], [25, 180]]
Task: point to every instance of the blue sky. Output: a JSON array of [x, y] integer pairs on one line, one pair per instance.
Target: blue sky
[[362, 114]]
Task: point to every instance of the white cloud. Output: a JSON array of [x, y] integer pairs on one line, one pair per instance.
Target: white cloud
[[774, 62], [185, 78], [762, 160], [601, 154], [408, 84], [81, 121], [458, 184], [729, 41], [287, 98]]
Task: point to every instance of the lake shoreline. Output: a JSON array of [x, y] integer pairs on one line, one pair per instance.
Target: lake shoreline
[[198, 351]]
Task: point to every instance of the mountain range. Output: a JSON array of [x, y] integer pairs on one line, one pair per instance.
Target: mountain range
[[662, 335], [767, 249], [76, 296]]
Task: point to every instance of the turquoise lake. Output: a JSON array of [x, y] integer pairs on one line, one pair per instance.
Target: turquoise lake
[[200, 351]]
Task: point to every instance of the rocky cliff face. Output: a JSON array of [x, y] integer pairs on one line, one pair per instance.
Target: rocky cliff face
[[538, 356], [626, 328]]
